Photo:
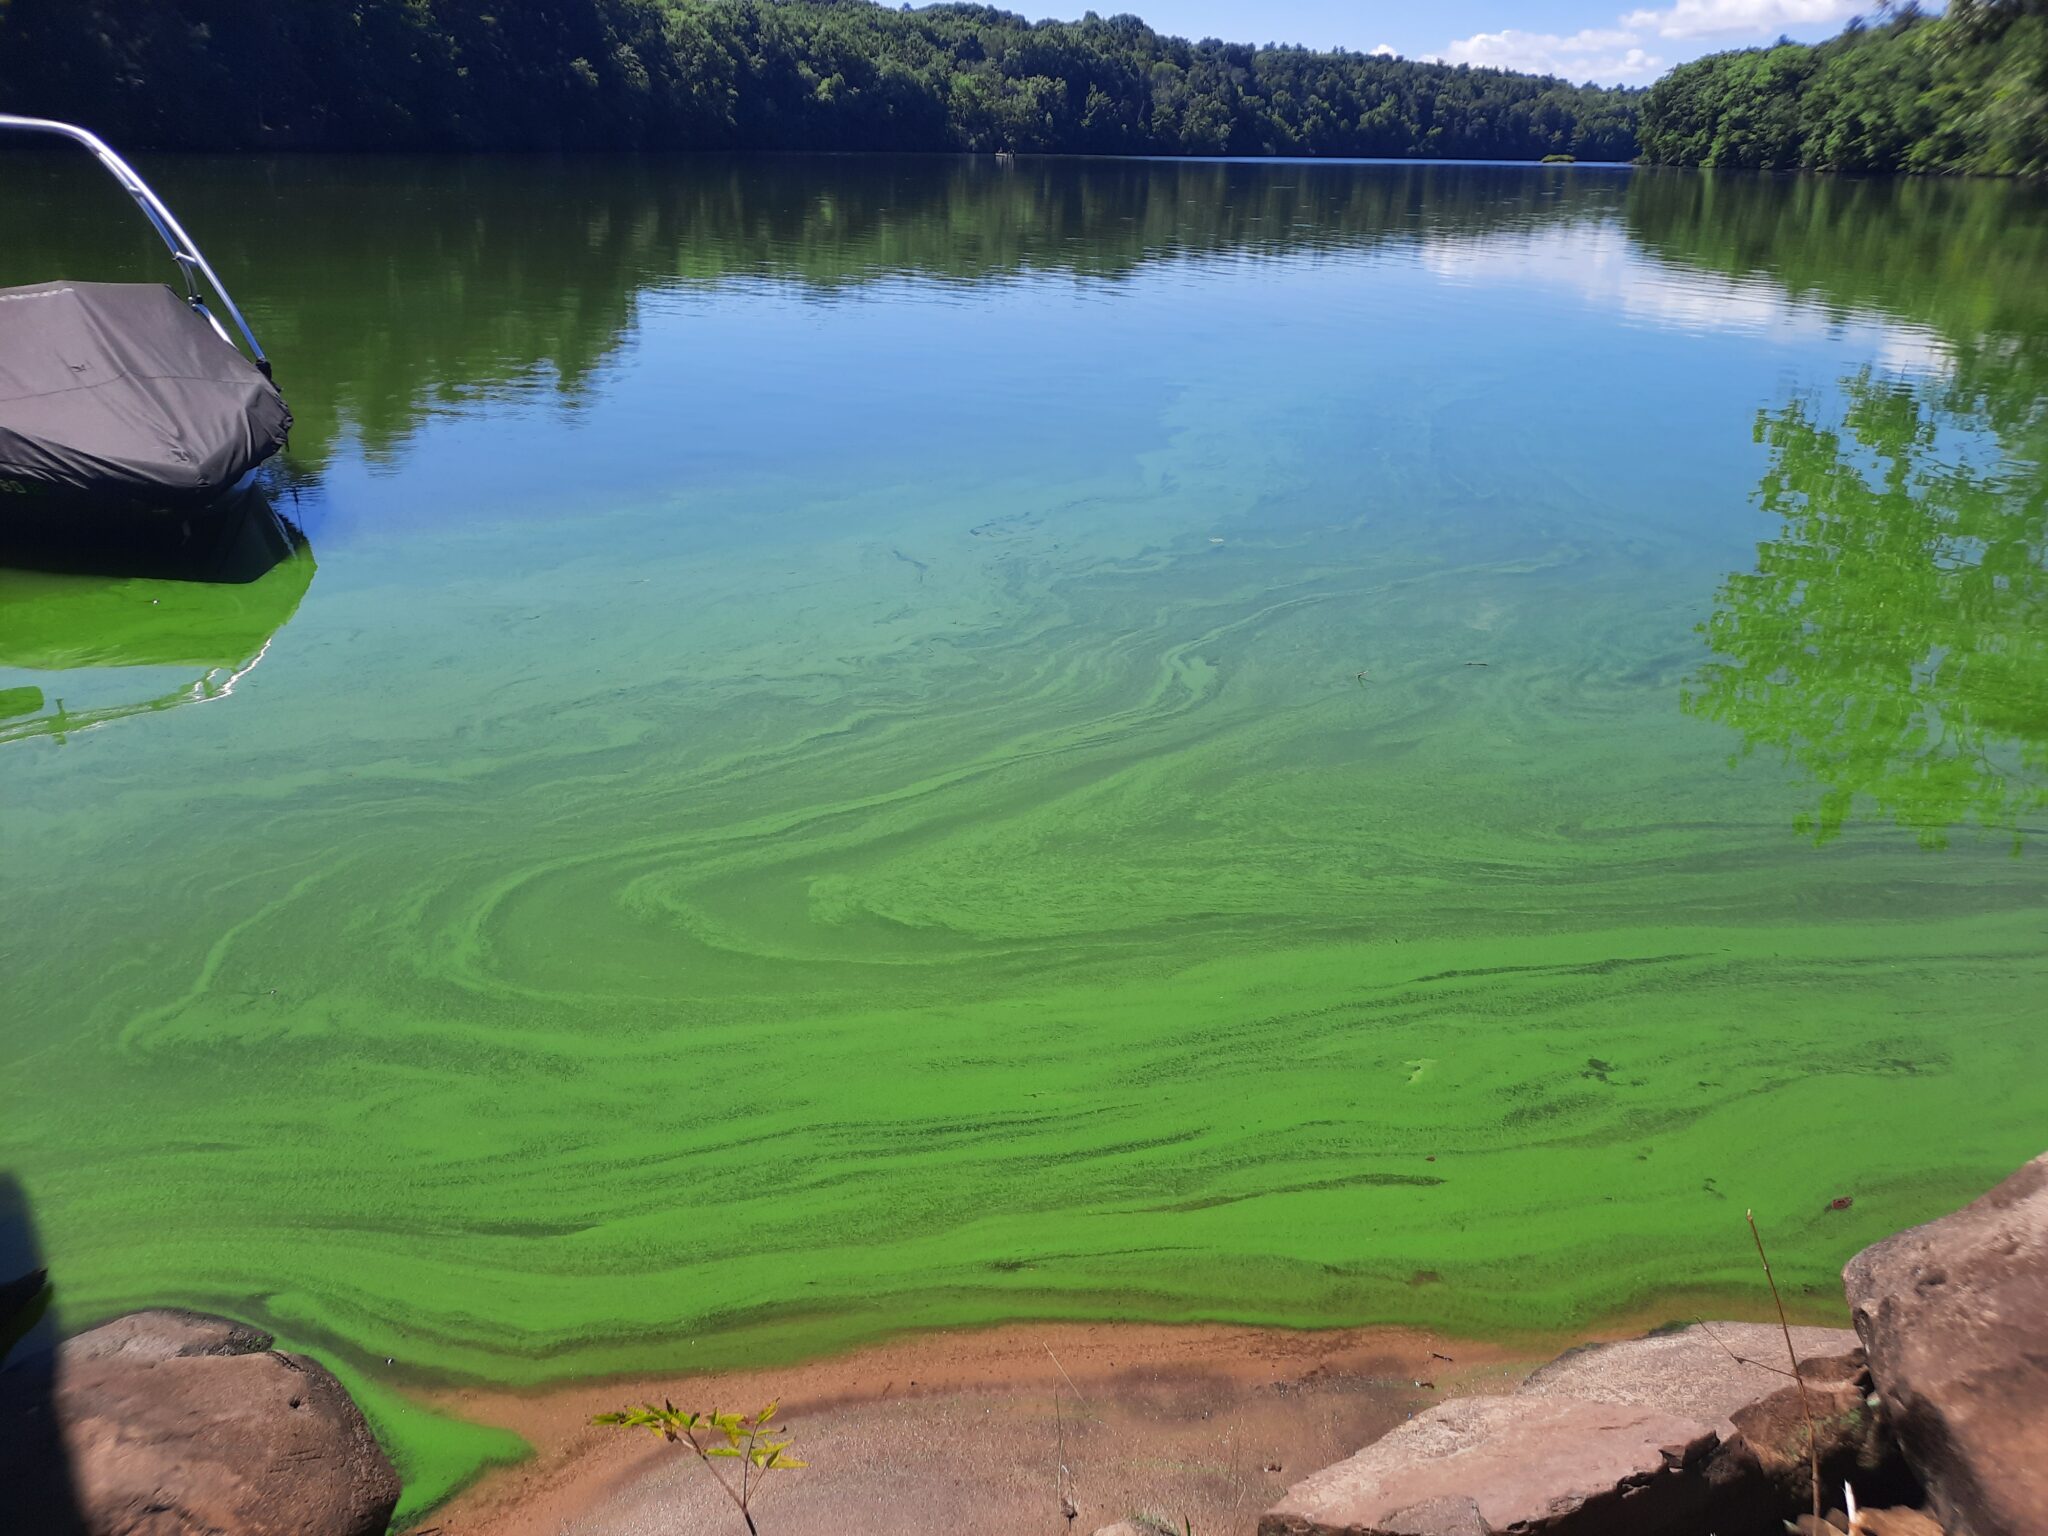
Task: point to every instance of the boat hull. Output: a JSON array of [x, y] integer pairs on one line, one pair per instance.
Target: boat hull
[[123, 394]]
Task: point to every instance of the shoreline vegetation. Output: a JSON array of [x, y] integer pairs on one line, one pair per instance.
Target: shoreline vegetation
[[1962, 93], [1965, 91]]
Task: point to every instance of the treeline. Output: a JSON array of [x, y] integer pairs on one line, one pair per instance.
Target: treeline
[[1963, 92], [753, 74]]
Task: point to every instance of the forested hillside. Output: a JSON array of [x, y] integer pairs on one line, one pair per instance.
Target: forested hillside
[[1963, 92], [752, 74]]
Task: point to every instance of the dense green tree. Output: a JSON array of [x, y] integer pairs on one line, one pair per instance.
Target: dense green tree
[[755, 74], [1963, 92]]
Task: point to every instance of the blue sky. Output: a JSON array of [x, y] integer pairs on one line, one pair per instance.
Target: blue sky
[[1612, 41]]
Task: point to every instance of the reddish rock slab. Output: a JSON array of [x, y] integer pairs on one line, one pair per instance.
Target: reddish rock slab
[[1527, 1464], [165, 1333], [178, 1424], [1954, 1318], [1707, 1371]]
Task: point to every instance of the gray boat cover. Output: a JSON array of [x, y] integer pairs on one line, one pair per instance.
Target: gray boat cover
[[121, 392]]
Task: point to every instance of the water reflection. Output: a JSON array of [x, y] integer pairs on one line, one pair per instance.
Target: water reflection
[[104, 609], [1893, 638], [234, 540], [1605, 267], [389, 288], [393, 287], [1959, 255], [1892, 641], [1881, 644]]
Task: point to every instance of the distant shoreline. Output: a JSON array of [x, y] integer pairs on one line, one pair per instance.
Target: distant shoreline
[[35, 151], [31, 149]]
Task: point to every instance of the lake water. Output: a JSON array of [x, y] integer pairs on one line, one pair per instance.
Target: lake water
[[857, 745]]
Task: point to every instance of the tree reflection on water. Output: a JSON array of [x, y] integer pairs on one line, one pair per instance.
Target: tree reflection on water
[[1892, 641]]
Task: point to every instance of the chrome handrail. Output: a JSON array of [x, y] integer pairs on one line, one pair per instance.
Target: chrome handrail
[[184, 249]]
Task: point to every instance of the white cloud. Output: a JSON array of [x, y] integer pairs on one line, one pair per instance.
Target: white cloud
[[1385, 51], [1609, 54], [1760, 19], [1625, 53]]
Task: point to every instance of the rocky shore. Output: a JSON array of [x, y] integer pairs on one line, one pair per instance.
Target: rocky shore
[[1933, 1412], [1931, 1415]]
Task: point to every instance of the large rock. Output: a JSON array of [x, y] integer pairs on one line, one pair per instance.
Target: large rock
[[1772, 1447], [1954, 1318], [1707, 1371], [1736, 1376], [1528, 1464], [164, 1333], [177, 1423]]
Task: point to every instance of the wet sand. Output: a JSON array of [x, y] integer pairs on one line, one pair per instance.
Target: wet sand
[[985, 1431]]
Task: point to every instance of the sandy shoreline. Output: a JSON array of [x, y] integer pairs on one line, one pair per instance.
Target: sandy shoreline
[[958, 1431]]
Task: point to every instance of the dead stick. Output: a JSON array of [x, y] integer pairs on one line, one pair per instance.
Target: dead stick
[[1055, 1359], [1805, 1408], [1762, 1365], [1067, 1505]]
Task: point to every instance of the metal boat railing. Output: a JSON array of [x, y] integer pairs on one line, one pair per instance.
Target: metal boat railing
[[184, 249]]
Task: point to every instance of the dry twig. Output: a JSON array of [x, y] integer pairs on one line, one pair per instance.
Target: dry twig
[[1762, 1365], [1805, 1407], [1068, 1507]]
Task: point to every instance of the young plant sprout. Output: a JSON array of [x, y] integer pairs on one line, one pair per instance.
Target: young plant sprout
[[749, 1440]]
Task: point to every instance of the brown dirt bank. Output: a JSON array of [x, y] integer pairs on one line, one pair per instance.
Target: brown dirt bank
[[958, 1431]]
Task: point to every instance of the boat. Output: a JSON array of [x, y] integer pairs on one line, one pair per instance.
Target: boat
[[128, 394]]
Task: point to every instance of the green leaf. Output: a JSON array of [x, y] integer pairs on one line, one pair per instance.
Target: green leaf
[[766, 1413], [722, 1450]]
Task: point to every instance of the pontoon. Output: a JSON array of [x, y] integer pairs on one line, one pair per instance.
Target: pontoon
[[125, 394]]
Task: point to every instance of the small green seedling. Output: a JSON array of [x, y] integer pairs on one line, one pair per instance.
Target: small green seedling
[[748, 1439]]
